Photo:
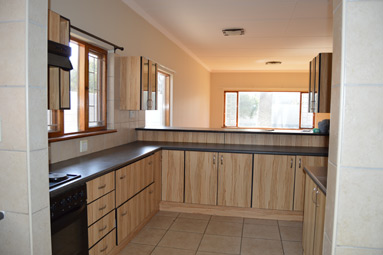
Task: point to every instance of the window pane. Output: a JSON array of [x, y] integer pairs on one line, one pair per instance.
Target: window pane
[[71, 123], [52, 121], [231, 109], [306, 117], [269, 109], [96, 72], [156, 118]]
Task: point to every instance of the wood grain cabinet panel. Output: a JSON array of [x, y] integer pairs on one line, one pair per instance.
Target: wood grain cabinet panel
[[301, 162], [101, 207], [100, 186], [234, 179], [201, 177], [173, 176], [105, 246], [273, 182], [319, 223], [101, 228], [130, 83], [157, 180]]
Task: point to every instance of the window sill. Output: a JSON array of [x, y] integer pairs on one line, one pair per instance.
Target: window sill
[[80, 135]]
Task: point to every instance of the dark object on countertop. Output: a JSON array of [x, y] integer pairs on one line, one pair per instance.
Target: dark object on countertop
[[324, 126]]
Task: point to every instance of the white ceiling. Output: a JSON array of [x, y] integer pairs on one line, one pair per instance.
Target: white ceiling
[[291, 31]]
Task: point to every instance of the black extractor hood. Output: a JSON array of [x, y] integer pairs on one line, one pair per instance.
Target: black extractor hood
[[58, 55]]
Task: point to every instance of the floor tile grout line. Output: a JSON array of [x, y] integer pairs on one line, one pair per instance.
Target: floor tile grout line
[[280, 236], [167, 230], [243, 227], [203, 234]]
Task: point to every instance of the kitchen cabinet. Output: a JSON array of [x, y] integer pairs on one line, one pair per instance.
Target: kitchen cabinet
[[101, 228], [101, 207], [299, 187], [99, 186], [218, 178], [157, 169], [105, 246], [173, 175], [320, 83], [138, 83], [313, 220]]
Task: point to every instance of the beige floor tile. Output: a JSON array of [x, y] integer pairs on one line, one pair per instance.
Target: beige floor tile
[[252, 246], [181, 240], [227, 219], [161, 222], [261, 222], [292, 248], [171, 251], [150, 236], [224, 228], [136, 249], [189, 225], [168, 214], [209, 253], [284, 223], [291, 234], [195, 216], [261, 231], [223, 244]]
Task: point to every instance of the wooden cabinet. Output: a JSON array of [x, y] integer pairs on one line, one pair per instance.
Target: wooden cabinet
[[105, 246], [157, 169], [218, 178], [133, 178], [313, 221], [273, 182], [173, 175], [299, 187], [101, 228], [138, 83], [101, 207], [320, 83], [99, 186]]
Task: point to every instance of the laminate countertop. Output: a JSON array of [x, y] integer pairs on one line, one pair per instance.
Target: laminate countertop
[[99, 163], [319, 176]]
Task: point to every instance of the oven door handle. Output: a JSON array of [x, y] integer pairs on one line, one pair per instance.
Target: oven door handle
[[66, 219]]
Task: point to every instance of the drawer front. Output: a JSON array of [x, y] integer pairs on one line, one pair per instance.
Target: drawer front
[[100, 186], [101, 228], [133, 178], [101, 207], [105, 246]]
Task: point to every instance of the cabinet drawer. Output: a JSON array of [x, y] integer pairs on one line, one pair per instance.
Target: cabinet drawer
[[101, 228], [101, 207], [105, 246], [133, 178], [100, 186]]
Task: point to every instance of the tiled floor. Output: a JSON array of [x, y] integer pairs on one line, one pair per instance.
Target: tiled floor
[[170, 233]]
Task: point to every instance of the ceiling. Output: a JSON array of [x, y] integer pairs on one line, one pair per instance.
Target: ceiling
[[291, 31]]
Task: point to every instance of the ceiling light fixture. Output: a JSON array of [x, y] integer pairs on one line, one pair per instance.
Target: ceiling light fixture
[[273, 62], [233, 31]]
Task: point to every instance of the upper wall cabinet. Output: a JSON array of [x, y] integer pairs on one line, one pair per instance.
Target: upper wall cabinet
[[138, 79], [320, 83]]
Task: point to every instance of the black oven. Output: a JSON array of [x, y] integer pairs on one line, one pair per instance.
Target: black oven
[[69, 226]]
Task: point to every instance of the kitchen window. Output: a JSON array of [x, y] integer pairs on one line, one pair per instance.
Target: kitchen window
[[282, 110], [87, 93]]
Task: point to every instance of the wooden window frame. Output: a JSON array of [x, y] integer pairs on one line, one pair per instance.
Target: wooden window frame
[[236, 124], [58, 115]]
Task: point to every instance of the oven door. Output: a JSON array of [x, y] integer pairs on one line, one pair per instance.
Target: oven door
[[70, 233]]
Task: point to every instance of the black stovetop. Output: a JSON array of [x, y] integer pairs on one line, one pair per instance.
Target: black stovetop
[[55, 181]]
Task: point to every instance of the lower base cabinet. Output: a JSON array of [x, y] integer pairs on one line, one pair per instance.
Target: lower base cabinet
[[105, 246], [313, 219]]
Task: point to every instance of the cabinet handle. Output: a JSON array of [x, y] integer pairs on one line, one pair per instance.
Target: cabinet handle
[[102, 208], [102, 186], [102, 229], [122, 177], [102, 250], [124, 213], [300, 163], [221, 159], [312, 197], [214, 159], [291, 166]]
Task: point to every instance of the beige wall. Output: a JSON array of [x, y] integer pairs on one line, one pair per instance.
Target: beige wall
[[256, 81]]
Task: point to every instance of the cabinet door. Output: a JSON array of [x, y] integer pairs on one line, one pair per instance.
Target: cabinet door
[[319, 222], [234, 179], [309, 217], [130, 83], [273, 182], [201, 177], [145, 68], [301, 162], [157, 180], [173, 176]]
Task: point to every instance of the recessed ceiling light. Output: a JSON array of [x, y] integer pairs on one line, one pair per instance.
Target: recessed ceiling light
[[273, 62], [233, 31]]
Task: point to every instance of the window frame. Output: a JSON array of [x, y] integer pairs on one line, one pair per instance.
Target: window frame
[[236, 126], [58, 115]]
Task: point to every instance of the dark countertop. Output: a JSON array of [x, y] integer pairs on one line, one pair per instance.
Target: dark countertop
[[319, 176], [235, 130], [99, 163]]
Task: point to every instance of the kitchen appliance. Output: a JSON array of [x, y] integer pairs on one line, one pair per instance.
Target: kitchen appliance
[[56, 179], [69, 225]]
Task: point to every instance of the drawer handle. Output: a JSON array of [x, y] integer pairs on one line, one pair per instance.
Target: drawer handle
[[102, 250], [300, 163], [214, 159], [122, 177], [221, 159], [102, 208], [101, 187], [291, 165], [102, 229], [314, 192], [124, 213]]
